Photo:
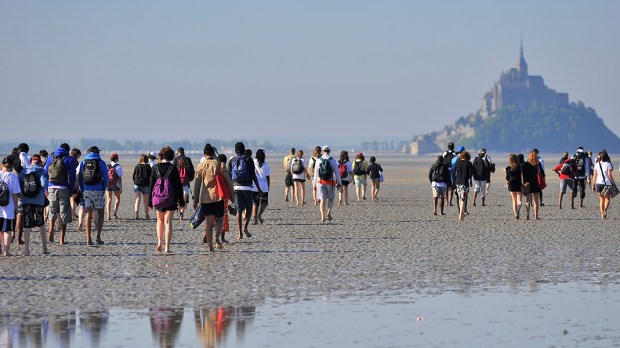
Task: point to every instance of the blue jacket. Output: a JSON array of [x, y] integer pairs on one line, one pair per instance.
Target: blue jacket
[[42, 174], [103, 170], [71, 166]]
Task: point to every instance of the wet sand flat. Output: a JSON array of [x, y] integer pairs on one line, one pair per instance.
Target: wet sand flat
[[393, 246]]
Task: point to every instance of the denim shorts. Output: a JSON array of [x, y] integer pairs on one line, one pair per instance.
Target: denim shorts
[[141, 189]]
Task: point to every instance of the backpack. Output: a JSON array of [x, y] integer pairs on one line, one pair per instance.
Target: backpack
[[581, 165], [438, 174], [5, 194], [479, 167], [357, 168], [142, 176], [31, 185], [112, 175], [297, 166], [91, 172], [447, 158], [56, 172], [183, 172], [567, 169], [343, 169], [240, 170], [163, 193], [325, 169]]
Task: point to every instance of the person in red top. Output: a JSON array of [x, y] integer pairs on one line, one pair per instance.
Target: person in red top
[[566, 170]]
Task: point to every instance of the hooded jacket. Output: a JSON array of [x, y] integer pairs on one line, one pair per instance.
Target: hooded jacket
[[103, 169], [70, 165]]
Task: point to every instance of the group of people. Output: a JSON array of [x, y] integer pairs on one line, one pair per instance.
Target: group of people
[[455, 172], [59, 187], [358, 172]]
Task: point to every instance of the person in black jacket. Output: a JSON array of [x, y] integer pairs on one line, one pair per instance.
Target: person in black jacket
[[165, 214], [480, 174], [186, 173], [439, 176], [374, 171], [462, 179]]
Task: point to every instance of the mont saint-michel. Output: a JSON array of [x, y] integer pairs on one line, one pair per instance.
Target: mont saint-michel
[[520, 112]]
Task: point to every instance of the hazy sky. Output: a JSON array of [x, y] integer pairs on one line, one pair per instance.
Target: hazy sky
[[274, 69]]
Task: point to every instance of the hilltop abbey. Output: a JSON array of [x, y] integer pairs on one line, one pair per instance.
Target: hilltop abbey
[[521, 90], [515, 88]]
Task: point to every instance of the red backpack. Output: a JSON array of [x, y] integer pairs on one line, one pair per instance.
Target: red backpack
[[343, 169], [182, 168], [112, 175]]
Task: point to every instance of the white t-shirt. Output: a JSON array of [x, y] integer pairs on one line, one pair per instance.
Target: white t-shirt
[[302, 175], [25, 159], [261, 175], [606, 168], [12, 181]]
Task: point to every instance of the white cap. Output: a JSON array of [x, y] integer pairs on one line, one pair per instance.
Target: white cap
[[326, 148]]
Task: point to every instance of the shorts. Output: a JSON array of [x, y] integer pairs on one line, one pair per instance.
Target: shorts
[[215, 208], [462, 191], [480, 186], [260, 198], [243, 201], [376, 181], [94, 199], [326, 191], [345, 183], [7, 225], [59, 203], [360, 180], [141, 189], [166, 209], [599, 188], [438, 191], [113, 188], [567, 183], [33, 215], [299, 180], [186, 190]]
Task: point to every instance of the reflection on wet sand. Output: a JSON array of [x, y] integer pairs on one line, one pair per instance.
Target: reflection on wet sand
[[213, 325], [165, 325]]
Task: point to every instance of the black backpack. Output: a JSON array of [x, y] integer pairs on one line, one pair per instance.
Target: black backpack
[[567, 168], [91, 172], [480, 167], [142, 176], [5, 194], [438, 174], [580, 161], [325, 169], [447, 158], [357, 168], [31, 185]]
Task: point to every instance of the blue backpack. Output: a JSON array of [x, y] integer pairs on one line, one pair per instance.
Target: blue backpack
[[240, 170], [325, 170]]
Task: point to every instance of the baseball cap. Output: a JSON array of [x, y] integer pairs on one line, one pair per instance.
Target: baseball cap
[[482, 151], [326, 148], [113, 155], [461, 148]]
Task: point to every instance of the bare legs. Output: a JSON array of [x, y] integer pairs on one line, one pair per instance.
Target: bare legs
[[27, 240], [360, 192], [164, 226], [603, 206], [212, 221], [7, 243], [145, 200], [117, 202], [299, 190], [374, 190], [516, 203], [98, 225], [343, 196], [536, 202]]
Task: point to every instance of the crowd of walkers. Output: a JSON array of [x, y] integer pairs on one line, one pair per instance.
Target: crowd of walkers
[[454, 172], [55, 189]]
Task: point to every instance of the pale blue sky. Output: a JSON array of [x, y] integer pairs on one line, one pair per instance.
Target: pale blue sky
[[270, 69]]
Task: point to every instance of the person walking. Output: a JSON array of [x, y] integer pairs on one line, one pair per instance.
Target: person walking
[[9, 190], [480, 173], [288, 177], [263, 176], [310, 174], [531, 168], [93, 180], [359, 176], [566, 172], [298, 173], [346, 171], [207, 195], [243, 177], [167, 197], [115, 185], [33, 181], [602, 178], [580, 158], [438, 176], [374, 172], [513, 183], [61, 172], [327, 179], [186, 173], [462, 172], [541, 161], [141, 180], [448, 157]]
